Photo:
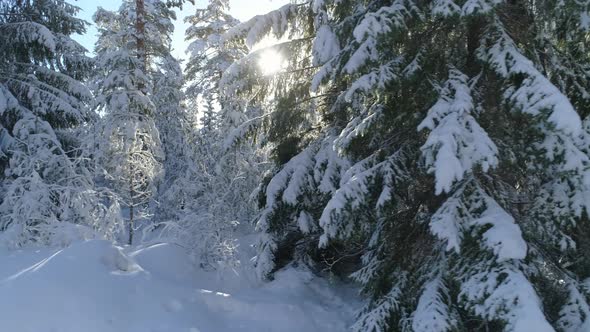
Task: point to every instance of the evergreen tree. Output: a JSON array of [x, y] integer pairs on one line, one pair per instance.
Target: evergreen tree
[[212, 196], [438, 148], [138, 88], [129, 147], [209, 58], [177, 125], [174, 123], [46, 185]]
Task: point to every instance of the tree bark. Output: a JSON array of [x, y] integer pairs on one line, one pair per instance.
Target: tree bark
[[131, 204], [140, 35], [142, 57], [131, 225], [474, 32]]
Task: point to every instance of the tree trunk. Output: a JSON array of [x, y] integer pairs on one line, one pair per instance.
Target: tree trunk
[[140, 35], [131, 205], [131, 225], [141, 56], [474, 32]]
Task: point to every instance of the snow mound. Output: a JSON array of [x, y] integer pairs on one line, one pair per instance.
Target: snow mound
[[97, 286]]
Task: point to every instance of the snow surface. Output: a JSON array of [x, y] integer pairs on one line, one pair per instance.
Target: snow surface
[[97, 286]]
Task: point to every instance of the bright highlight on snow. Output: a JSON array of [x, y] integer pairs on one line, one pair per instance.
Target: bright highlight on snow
[[271, 62]]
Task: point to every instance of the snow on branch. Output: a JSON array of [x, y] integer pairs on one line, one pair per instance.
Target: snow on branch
[[354, 192], [432, 312], [504, 292], [535, 95], [470, 209], [372, 26], [253, 31], [456, 143]]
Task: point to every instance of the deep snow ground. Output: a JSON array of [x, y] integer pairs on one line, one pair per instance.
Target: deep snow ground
[[94, 286]]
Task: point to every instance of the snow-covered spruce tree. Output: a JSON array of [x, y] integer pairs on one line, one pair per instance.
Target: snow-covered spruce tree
[[138, 89], [291, 125], [174, 124], [445, 148], [212, 197], [47, 188], [209, 57]]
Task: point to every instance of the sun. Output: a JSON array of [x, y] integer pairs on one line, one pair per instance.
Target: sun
[[271, 62]]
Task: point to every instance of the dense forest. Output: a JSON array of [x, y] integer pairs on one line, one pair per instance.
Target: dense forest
[[434, 154]]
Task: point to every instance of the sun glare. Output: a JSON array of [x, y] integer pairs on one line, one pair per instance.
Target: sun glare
[[271, 62]]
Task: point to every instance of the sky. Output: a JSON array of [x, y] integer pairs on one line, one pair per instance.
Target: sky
[[241, 9]]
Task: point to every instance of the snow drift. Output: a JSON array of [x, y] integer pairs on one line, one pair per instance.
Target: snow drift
[[97, 286]]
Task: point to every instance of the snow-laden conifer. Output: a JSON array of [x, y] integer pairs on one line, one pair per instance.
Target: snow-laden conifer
[[49, 196]]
